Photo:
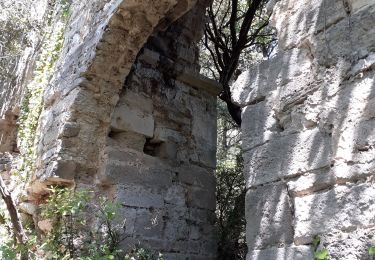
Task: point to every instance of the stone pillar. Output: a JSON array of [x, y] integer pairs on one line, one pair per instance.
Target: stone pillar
[[309, 133], [160, 153]]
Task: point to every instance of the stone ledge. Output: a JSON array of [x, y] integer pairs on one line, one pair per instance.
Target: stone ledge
[[201, 82]]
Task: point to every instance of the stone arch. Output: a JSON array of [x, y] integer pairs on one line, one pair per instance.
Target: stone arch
[[86, 139], [101, 44]]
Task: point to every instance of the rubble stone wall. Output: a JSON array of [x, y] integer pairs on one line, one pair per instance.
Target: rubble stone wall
[[309, 133], [127, 114], [101, 43], [160, 152]]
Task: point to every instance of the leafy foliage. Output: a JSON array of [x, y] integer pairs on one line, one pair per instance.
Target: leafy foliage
[[143, 254], [231, 209], [68, 213], [319, 254], [230, 190], [70, 238]]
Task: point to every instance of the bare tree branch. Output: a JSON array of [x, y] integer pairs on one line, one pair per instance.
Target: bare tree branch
[[18, 230], [227, 36]]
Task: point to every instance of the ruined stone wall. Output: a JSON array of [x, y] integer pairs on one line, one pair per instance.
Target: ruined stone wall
[[160, 152], [309, 133], [148, 142], [126, 114], [101, 43]]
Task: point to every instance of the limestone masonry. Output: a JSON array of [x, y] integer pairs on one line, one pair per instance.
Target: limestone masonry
[[127, 114], [309, 133]]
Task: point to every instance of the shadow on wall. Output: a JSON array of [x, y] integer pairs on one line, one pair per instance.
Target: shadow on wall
[[309, 133]]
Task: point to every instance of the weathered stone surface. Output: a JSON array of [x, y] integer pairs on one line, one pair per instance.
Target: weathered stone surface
[[126, 113], [138, 196], [263, 126], [269, 216], [126, 140], [308, 122], [287, 156], [255, 84], [349, 244], [339, 39], [133, 113], [342, 208], [134, 172], [285, 253], [311, 182]]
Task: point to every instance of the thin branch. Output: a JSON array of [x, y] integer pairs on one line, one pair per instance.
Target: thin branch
[[18, 230], [233, 19]]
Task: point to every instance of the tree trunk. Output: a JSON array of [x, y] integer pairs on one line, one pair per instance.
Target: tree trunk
[[14, 217]]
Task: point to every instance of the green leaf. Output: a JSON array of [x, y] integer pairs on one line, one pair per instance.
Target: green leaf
[[371, 251], [321, 254], [316, 242]]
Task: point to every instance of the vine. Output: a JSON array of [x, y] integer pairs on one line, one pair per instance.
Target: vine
[[32, 103]]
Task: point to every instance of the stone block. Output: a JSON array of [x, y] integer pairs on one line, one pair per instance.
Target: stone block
[[304, 18], [127, 140], [350, 171], [259, 124], [65, 169], [131, 174], [201, 216], [284, 253], [355, 141], [126, 217], [312, 182], [287, 156], [210, 246], [173, 211], [341, 208], [269, 216], [128, 166], [195, 233], [127, 118], [139, 196], [201, 198], [205, 155], [176, 230], [349, 244], [149, 223], [255, 84], [203, 123], [164, 134], [176, 195], [339, 39], [197, 176], [70, 129], [167, 151]]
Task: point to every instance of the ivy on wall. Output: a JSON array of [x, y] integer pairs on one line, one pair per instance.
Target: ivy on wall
[[33, 100]]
